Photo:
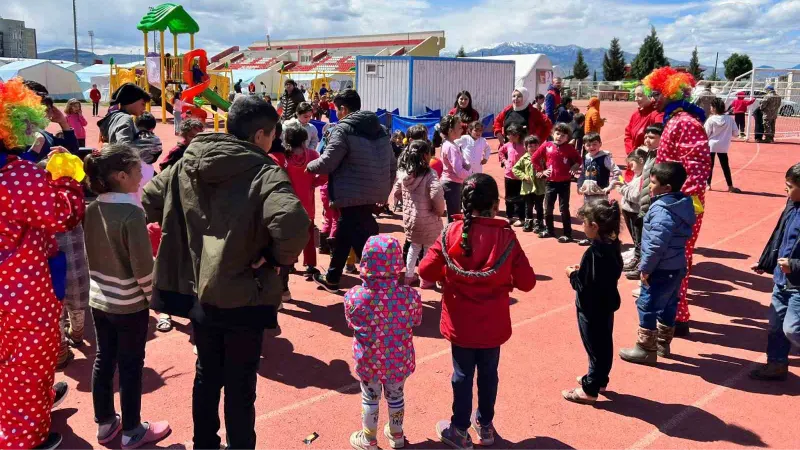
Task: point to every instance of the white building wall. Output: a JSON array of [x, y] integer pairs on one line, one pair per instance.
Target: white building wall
[[387, 88], [437, 82]]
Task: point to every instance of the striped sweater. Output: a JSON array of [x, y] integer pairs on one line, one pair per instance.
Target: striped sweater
[[119, 254]]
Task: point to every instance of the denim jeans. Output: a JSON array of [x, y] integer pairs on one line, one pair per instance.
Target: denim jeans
[[558, 190], [465, 360], [356, 225], [658, 300], [452, 198], [784, 323]]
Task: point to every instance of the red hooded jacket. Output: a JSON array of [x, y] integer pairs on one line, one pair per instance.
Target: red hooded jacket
[[476, 288], [640, 120], [538, 123]]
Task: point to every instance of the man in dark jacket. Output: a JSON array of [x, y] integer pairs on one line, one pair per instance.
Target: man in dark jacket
[[781, 258], [290, 99], [237, 87], [361, 166], [553, 99], [229, 218]]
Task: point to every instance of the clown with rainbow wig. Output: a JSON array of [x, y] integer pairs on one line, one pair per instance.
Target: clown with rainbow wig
[[33, 207], [684, 140]]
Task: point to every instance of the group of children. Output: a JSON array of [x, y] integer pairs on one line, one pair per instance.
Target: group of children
[[475, 257]]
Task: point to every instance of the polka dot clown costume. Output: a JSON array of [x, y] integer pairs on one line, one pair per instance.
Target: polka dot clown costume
[[684, 140], [33, 207]]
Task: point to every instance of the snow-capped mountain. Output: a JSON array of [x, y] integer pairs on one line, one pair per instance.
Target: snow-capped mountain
[[561, 55]]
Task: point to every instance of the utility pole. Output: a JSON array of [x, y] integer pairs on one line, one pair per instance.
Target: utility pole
[[75, 28], [91, 39], [716, 61]]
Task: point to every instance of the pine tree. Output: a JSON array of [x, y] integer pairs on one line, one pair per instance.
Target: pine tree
[[461, 53], [580, 70], [614, 62], [736, 65], [694, 66], [594, 76], [651, 56]]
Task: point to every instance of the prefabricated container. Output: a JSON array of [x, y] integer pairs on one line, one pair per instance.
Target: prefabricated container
[[412, 83]]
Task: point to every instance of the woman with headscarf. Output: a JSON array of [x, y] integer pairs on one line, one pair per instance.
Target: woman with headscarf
[[521, 112], [593, 122], [462, 108], [36, 270]]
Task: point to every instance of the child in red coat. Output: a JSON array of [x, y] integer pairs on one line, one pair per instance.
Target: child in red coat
[[479, 262]]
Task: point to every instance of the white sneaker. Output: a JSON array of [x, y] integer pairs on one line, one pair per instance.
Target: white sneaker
[[636, 292], [396, 440]]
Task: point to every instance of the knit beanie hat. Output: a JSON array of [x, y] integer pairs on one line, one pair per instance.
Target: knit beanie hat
[[129, 93]]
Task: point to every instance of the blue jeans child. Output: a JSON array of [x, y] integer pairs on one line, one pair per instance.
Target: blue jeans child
[[465, 361], [784, 323], [658, 300]]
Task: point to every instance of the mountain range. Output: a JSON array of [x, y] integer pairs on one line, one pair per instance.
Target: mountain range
[[88, 58], [563, 56]]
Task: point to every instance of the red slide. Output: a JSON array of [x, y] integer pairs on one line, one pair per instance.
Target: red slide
[[194, 89]]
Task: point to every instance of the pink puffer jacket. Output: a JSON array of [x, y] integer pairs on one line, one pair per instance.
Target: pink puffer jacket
[[423, 206]]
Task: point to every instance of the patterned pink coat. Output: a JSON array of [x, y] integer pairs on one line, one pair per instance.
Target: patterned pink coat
[[382, 312], [684, 140], [423, 206]]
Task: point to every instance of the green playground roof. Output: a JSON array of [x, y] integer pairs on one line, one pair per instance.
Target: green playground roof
[[168, 16]]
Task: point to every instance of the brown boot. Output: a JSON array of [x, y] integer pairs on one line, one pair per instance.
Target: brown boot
[[771, 371], [664, 338], [644, 352]]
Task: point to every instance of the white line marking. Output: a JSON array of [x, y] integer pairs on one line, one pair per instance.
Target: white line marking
[[758, 151], [654, 435]]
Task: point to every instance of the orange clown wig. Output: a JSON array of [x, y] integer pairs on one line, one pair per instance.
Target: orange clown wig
[[669, 83], [21, 115]]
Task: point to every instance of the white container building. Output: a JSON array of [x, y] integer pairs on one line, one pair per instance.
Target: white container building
[[411, 84]]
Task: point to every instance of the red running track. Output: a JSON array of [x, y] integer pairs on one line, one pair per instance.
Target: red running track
[[701, 398]]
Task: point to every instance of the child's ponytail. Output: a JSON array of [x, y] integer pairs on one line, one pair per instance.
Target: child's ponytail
[[479, 194], [102, 164], [606, 214]]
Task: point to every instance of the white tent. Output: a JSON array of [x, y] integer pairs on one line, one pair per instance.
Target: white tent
[[257, 76], [533, 71], [60, 82], [97, 74]]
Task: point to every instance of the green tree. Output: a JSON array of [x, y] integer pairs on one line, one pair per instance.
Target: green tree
[[580, 69], [614, 62], [594, 76], [736, 65], [694, 66], [461, 53], [650, 56], [712, 77]]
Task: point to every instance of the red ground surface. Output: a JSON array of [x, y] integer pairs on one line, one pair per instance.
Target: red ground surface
[[701, 398]]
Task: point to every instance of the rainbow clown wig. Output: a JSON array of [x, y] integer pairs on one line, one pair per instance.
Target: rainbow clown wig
[[670, 83], [21, 115]]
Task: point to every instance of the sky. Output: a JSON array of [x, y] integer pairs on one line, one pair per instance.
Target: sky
[[767, 30]]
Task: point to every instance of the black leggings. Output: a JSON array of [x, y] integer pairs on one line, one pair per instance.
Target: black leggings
[[739, 119], [533, 201], [635, 227], [515, 206], [726, 168]]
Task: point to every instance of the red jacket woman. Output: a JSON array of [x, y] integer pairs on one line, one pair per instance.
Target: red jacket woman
[[475, 296], [520, 110]]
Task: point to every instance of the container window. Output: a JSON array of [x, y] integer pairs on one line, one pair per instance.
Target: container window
[[372, 69]]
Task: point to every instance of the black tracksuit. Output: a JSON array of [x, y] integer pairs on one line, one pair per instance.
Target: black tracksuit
[[597, 297]]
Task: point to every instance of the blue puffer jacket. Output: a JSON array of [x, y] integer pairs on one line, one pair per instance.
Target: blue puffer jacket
[[667, 226]]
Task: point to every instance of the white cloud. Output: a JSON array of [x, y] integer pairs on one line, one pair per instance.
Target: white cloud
[[760, 27]]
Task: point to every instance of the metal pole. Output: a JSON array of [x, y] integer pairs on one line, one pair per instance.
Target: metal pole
[[716, 61], [91, 39], [75, 28]]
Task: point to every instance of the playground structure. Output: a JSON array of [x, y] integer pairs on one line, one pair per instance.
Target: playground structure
[[164, 74]]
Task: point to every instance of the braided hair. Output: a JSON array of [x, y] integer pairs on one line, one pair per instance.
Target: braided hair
[[414, 160], [605, 214], [479, 194]]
